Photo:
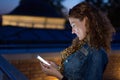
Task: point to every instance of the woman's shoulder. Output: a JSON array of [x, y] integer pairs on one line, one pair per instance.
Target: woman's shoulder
[[84, 50], [98, 53]]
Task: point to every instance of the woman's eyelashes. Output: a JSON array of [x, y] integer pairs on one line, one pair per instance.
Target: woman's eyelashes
[[73, 25]]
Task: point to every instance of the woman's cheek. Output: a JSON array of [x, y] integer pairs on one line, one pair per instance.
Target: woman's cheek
[[81, 35]]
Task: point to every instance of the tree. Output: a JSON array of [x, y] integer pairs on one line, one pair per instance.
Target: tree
[[57, 4], [111, 7]]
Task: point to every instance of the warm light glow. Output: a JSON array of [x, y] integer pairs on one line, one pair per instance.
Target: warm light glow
[[50, 78], [33, 22]]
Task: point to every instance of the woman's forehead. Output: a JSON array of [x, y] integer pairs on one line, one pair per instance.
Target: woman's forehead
[[73, 19]]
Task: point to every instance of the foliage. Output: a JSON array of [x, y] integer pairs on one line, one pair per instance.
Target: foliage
[[111, 8]]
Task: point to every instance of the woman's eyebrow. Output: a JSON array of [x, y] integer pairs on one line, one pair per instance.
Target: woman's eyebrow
[[72, 22]]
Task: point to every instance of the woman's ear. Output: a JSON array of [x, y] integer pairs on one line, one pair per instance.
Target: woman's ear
[[86, 22], [85, 19]]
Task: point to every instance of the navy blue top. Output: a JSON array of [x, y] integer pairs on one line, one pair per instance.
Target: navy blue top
[[85, 64]]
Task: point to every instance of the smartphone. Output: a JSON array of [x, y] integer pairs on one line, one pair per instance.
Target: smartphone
[[42, 60]]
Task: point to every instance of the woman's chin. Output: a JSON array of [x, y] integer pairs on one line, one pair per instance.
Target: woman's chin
[[81, 39]]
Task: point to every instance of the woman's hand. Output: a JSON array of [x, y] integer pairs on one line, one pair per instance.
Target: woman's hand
[[51, 70], [53, 64]]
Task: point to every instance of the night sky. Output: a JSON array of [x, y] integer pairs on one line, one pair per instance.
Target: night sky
[[6, 6]]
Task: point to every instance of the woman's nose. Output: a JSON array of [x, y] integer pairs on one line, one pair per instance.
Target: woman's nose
[[73, 30]]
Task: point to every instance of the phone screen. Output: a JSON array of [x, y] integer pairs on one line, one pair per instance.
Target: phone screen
[[42, 60]]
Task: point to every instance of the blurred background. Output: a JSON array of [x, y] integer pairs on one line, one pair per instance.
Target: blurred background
[[32, 27]]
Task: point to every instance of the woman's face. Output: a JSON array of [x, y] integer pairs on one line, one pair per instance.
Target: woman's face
[[78, 27]]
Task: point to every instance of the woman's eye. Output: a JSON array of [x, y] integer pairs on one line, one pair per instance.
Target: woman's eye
[[73, 25]]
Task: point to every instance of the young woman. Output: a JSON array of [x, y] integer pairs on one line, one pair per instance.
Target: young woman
[[86, 58]]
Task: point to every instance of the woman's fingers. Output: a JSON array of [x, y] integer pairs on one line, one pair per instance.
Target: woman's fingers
[[44, 66], [53, 64]]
